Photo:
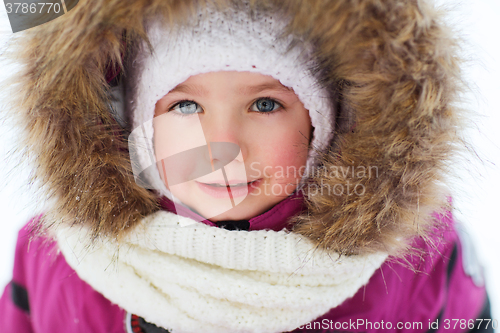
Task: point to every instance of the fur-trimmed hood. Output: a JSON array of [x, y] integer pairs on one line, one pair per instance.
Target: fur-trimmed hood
[[391, 65]]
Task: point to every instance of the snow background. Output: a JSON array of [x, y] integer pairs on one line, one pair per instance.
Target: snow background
[[475, 195]]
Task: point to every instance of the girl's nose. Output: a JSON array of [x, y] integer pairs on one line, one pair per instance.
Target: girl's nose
[[224, 135], [221, 154]]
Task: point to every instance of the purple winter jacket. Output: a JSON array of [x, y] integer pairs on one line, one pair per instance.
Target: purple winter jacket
[[428, 293]]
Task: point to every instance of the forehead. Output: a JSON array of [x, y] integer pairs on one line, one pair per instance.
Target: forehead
[[241, 82]]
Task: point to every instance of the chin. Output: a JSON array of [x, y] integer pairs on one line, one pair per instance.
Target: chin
[[240, 212]]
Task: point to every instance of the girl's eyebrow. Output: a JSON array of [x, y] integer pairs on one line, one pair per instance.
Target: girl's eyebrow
[[192, 89], [198, 90], [265, 86]]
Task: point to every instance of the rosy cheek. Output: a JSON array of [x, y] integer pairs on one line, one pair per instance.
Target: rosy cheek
[[287, 157]]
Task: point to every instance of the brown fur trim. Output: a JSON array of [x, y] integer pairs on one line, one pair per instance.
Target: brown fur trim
[[402, 77], [392, 62]]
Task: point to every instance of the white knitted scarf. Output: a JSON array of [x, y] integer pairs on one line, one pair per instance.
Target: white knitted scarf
[[186, 276]]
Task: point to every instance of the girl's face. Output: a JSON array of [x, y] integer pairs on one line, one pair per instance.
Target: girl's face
[[240, 141]]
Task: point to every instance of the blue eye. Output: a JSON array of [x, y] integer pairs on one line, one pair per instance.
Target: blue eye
[[265, 105], [186, 107]]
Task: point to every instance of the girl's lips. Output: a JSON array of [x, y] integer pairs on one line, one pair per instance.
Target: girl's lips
[[220, 192]]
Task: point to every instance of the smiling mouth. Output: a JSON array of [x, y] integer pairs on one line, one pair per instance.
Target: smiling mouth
[[232, 189], [230, 185]]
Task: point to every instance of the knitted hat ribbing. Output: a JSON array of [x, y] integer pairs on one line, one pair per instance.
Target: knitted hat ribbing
[[232, 40]]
